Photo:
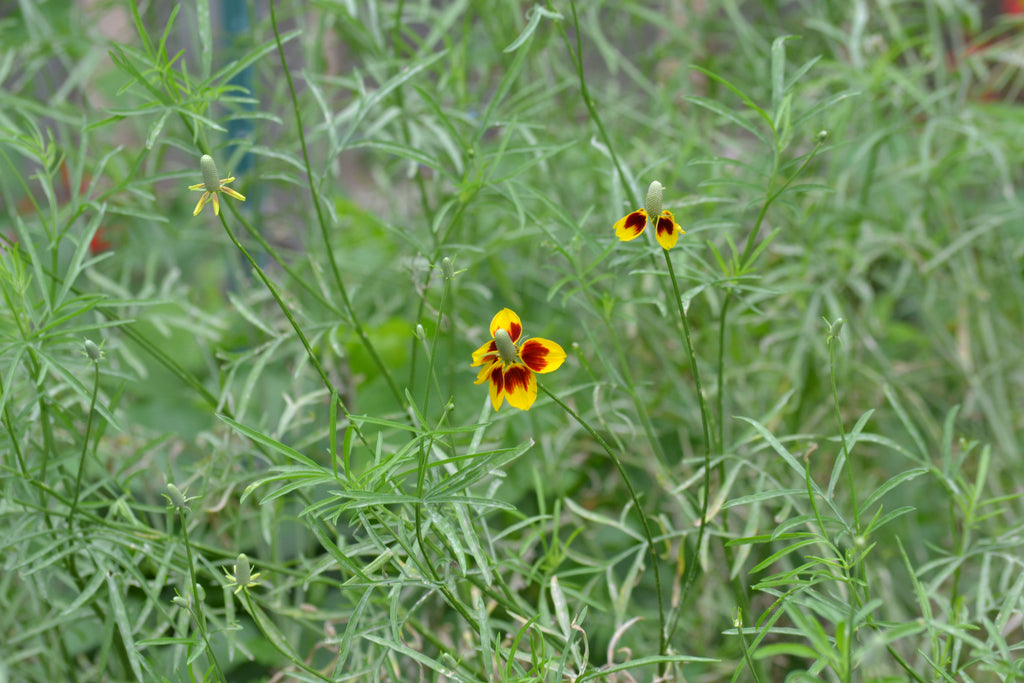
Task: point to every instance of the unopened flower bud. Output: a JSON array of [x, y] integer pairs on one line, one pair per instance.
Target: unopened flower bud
[[93, 351], [210, 177], [243, 570], [447, 268], [655, 192], [176, 497]]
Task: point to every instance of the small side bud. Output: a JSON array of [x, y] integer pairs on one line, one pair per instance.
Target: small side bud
[[822, 136], [655, 192], [175, 497], [180, 601], [211, 179], [93, 351], [243, 570], [421, 333]]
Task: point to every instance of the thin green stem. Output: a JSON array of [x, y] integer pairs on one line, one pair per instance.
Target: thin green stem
[[833, 341], [197, 604], [291, 320], [741, 267], [85, 443], [364, 338], [691, 567], [663, 634]]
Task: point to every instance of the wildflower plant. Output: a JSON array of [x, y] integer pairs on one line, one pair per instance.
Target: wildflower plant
[[711, 488]]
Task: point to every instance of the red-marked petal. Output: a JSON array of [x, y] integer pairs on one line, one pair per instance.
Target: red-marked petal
[[507, 320], [497, 378], [485, 373], [541, 355], [480, 356], [520, 387], [632, 226], [668, 230]]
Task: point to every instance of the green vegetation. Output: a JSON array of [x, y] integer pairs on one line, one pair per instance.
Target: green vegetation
[[249, 447]]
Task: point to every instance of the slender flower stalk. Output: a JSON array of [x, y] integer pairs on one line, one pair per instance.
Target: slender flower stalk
[[95, 355], [325, 233], [644, 522]]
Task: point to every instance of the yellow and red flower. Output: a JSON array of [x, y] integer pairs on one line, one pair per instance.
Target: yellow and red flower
[[667, 231], [509, 364], [632, 226], [212, 185]]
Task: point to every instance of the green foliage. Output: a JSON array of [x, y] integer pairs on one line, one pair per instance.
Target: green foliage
[[250, 447]]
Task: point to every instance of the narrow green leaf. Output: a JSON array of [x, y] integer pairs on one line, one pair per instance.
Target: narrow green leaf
[[205, 37]]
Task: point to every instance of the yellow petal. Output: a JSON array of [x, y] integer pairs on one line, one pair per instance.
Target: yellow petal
[[497, 385], [479, 356], [231, 193], [668, 230], [201, 204], [520, 386], [485, 373], [507, 320], [541, 355], [631, 226]]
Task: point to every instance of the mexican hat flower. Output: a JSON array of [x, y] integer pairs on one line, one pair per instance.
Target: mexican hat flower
[[212, 185], [509, 363], [667, 231]]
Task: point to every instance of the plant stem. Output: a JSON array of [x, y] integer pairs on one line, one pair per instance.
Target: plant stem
[[364, 338], [85, 443], [662, 633]]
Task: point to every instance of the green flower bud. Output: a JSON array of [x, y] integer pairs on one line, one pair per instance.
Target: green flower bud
[[653, 203], [506, 349], [175, 497], [180, 601], [822, 136], [243, 570], [211, 179], [93, 351], [420, 332], [447, 268]]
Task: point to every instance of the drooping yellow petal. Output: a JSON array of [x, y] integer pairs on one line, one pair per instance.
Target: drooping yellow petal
[[541, 355], [201, 204], [485, 373], [480, 356], [520, 386], [507, 320], [231, 193], [497, 385], [631, 226], [668, 230], [216, 203]]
